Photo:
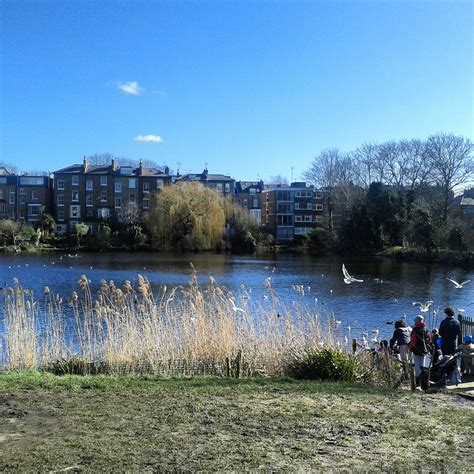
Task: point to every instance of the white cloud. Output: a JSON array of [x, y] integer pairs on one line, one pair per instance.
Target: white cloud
[[130, 88], [149, 139]]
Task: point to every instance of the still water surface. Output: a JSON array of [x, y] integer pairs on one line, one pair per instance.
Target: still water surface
[[387, 293]]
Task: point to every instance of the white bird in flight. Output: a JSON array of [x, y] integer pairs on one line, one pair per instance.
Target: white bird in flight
[[348, 279], [458, 285], [424, 308], [235, 308]]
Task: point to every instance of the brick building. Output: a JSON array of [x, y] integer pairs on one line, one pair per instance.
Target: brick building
[[24, 197], [94, 194]]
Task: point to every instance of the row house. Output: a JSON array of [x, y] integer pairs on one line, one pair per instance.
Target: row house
[[221, 183], [94, 194], [247, 194], [24, 197]]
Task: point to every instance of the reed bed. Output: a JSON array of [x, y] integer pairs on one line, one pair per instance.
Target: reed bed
[[134, 328]]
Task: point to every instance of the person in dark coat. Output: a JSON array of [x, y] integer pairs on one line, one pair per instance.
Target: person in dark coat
[[420, 347], [450, 332], [401, 339]]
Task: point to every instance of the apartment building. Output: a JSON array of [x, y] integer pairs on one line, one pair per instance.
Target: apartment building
[[24, 197], [288, 210], [219, 182], [94, 194], [247, 194]]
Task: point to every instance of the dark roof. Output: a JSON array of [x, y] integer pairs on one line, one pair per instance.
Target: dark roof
[[4, 171], [107, 169], [244, 186], [205, 177]]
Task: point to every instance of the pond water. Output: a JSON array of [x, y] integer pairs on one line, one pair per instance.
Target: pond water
[[387, 293]]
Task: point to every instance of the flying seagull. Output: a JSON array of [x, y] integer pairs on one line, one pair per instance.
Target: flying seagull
[[424, 308], [235, 308], [458, 285], [347, 278]]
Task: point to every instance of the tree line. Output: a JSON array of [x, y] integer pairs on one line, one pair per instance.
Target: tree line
[[398, 192]]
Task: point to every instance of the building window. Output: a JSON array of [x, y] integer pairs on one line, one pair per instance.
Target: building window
[[22, 195], [11, 199], [146, 187], [1, 193], [103, 196], [103, 180], [146, 203], [298, 219], [318, 195], [318, 218], [132, 183], [118, 203], [34, 195], [245, 203], [75, 180], [60, 199], [2, 209], [75, 212], [219, 187], [89, 200], [60, 215], [318, 207], [131, 198], [255, 202], [103, 213], [22, 214], [159, 183], [118, 187], [89, 185], [308, 218], [89, 213], [297, 206], [227, 187], [33, 210], [60, 185], [309, 206], [75, 196], [285, 220]]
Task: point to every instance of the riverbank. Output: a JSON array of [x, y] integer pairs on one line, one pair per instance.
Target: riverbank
[[122, 424]]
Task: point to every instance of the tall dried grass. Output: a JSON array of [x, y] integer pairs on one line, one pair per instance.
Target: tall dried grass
[[137, 328]]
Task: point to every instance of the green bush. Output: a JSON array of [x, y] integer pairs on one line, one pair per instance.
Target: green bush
[[323, 364]]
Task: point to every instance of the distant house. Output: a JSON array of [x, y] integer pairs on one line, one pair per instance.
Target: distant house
[[247, 194], [24, 197], [94, 194], [219, 182], [465, 205]]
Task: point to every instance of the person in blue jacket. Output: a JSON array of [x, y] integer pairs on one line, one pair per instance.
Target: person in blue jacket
[[450, 332]]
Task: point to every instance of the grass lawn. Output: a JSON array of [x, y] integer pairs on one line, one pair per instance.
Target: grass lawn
[[98, 424]]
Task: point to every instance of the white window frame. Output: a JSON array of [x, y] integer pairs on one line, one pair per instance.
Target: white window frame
[[103, 180], [118, 187], [75, 180], [89, 185], [89, 200]]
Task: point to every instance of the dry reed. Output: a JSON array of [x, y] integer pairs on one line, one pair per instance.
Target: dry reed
[[137, 328]]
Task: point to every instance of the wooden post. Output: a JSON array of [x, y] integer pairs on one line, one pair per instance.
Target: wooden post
[[227, 367], [354, 345], [411, 368], [238, 361]]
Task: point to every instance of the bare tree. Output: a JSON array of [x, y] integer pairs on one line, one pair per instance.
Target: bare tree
[[364, 164], [278, 179], [451, 165], [332, 172]]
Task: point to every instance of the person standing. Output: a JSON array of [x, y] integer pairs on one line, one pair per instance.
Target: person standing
[[420, 347], [450, 333], [400, 341]]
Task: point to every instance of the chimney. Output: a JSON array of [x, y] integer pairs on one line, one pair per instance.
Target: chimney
[[114, 164], [167, 170], [140, 168], [85, 164], [204, 174]]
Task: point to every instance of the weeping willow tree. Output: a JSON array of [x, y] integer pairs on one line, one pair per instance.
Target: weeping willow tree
[[186, 217]]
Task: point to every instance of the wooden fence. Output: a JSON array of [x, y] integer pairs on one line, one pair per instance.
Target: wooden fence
[[467, 325]]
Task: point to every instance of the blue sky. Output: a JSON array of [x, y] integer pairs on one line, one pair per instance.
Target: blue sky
[[252, 88]]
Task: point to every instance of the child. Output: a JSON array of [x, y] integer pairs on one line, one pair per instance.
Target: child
[[467, 352]]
